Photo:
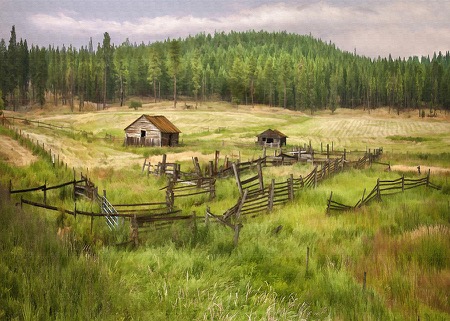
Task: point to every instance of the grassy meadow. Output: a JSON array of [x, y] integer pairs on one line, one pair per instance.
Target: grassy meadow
[[389, 260]]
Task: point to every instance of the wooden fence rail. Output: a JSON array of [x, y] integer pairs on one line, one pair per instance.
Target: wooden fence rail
[[383, 188]]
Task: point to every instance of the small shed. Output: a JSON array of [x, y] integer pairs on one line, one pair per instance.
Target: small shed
[[271, 138], [152, 131]]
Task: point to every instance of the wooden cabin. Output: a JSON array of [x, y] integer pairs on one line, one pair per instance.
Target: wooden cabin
[[151, 131], [271, 138]]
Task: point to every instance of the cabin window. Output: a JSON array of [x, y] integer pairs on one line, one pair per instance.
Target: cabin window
[[269, 140], [143, 133]]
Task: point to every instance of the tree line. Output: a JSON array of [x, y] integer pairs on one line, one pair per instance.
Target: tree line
[[274, 68]]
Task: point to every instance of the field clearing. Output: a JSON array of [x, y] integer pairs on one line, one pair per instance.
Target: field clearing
[[229, 129]]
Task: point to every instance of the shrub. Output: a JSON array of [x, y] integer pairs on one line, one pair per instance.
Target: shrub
[[135, 104]]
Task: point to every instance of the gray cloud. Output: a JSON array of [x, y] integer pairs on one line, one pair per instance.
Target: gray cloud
[[374, 28]]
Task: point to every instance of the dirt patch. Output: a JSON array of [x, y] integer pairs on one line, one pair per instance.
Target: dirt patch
[[13, 153], [423, 169]]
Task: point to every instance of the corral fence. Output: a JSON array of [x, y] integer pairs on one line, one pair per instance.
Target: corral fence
[[256, 198], [382, 188]]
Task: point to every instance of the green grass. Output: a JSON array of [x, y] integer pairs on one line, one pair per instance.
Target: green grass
[[194, 272]]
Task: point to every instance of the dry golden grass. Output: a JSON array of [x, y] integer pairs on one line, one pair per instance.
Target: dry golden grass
[[223, 126]]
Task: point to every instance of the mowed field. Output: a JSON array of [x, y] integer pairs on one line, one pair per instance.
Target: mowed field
[[229, 129]]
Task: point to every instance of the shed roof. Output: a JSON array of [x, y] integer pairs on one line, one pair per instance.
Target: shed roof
[[160, 122], [272, 132]]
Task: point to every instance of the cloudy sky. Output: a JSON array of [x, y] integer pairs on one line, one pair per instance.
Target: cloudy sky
[[372, 28]]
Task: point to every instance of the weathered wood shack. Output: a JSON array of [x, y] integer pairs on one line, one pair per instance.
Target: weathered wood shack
[[271, 138], [152, 131]]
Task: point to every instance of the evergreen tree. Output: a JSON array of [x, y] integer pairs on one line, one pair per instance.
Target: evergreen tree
[[174, 64], [13, 68]]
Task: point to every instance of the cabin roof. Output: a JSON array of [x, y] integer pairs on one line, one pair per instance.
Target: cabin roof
[[271, 133], [160, 122]]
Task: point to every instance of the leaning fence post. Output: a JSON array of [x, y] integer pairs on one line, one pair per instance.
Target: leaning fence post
[[362, 198], [236, 174], [237, 230], [378, 190], [329, 202]]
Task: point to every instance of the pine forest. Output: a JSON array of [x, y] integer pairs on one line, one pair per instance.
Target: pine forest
[[280, 69]]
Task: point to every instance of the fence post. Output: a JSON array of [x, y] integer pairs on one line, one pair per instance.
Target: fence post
[[291, 187], [302, 183], [163, 165], [260, 176], [143, 166], [211, 168], [212, 188], [237, 230], [329, 203], [9, 190], [378, 189], [236, 174], [216, 161], [428, 178], [362, 198], [328, 151], [403, 182], [170, 196], [271, 195], [315, 176], [241, 204]]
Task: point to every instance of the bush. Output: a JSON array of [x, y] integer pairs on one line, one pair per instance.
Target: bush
[[135, 104]]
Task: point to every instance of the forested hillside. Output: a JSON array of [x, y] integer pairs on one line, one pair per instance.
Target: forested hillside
[[277, 69]]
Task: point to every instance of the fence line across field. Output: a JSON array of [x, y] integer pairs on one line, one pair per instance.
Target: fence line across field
[[382, 188]]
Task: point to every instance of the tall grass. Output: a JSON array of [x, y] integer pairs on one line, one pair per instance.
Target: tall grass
[[44, 278], [386, 261]]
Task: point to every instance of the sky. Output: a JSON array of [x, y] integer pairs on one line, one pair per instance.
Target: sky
[[371, 28]]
